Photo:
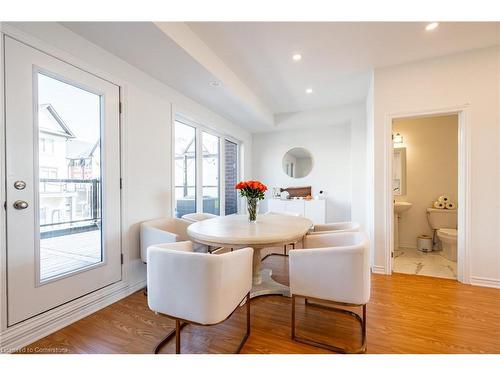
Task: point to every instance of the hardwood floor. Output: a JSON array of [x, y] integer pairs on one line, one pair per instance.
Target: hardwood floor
[[406, 314]]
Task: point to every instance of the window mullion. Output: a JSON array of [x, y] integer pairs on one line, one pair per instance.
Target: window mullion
[[199, 170], [222, 176]]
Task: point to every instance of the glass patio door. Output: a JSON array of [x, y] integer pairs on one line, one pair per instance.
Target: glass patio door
[[205, 170], [63, 176]]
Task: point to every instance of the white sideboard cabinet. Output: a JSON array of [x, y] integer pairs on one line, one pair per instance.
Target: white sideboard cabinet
[[314, 209]]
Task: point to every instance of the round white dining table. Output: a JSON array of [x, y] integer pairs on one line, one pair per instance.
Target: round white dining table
[[235, 231]]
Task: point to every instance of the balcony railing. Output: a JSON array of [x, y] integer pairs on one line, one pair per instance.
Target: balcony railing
[[69, 206]]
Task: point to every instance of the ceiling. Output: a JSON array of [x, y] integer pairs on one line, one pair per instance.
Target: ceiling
[[256, 58], [336, 56], [145, 46]]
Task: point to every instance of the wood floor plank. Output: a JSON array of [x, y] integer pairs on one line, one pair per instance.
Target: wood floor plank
[[406, 314]]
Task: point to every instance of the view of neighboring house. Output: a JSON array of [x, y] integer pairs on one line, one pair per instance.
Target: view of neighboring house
[[69, 174]]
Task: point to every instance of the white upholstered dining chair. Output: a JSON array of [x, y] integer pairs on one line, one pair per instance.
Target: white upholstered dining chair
[[197, 288], [344, 226], [162, 230], [332, 269], [198, 216], [285, 247]]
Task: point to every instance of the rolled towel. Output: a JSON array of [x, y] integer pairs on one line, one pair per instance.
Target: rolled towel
[[450, 205], [439, 205], [444, 199]]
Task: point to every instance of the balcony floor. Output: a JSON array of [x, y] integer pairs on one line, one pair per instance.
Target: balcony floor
[[60, 255]]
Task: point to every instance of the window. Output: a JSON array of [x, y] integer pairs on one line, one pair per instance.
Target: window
[[205, 170], [47, 146], [210, 168], [69, 124], [185, 169], [231, 176], [47, 172]]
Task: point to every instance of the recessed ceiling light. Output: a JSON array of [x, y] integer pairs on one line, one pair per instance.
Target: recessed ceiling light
[[297, 57], [215, 83], [309, 91], [432, 26]]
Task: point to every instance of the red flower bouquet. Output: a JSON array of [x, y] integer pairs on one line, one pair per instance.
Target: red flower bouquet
[[253, 191]]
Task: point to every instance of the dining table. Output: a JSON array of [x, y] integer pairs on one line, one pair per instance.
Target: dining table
[[236, 232]]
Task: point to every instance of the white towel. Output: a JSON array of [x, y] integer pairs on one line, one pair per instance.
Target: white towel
[[444, 199], [439, 205], [450, 205]]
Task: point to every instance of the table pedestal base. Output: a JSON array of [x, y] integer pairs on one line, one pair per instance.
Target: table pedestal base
[[268, 286]]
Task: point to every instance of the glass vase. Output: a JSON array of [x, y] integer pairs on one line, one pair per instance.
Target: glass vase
[[252, 208]]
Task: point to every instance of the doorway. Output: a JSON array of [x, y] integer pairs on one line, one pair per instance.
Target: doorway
[[62, 131], [462, 196], [425, 193]]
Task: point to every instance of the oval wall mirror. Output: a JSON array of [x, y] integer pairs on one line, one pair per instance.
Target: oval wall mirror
[[297, 162]]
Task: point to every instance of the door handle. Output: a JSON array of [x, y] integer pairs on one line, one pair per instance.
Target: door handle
[[20, 205]]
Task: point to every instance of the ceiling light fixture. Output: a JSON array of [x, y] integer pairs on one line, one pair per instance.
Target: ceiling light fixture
[[309, 91], [297, 57], [397, 138], [432, 26]]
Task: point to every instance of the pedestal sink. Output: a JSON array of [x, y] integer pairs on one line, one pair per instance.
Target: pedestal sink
[[399, 208]]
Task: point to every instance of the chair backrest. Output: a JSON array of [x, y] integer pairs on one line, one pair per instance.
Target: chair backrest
[[162, 230], [333, 266], [198, 216], [197, 287], [345, 226]]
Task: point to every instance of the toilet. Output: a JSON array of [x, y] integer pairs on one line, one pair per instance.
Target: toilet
[[444, 223], [448, 237]]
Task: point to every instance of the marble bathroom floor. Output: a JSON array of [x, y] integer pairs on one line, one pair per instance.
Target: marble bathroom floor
[[414, 262]]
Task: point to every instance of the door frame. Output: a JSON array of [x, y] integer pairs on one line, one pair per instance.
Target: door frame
[[58, 317], [464, 196]]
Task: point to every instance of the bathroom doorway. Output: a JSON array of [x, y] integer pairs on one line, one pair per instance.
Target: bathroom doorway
[[425, 175]]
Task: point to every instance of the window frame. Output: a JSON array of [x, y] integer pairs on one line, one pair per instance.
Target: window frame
[[238, 171], [199, 129], [196, 144], [219, 168]]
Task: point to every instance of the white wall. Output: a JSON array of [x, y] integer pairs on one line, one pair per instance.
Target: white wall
[[147, 110], [370, 177], [328, 134], [359, 167], [467, 78]]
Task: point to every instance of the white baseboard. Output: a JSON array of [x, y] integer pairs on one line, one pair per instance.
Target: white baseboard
[[484, 281], [24, 333], [378, 269]]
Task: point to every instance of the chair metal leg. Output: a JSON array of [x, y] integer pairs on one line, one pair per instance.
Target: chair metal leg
[[177, 336], [247, 333], [175, 332], [361, 320], [285, 248], [363, 329], [280, 254], [180, 324]]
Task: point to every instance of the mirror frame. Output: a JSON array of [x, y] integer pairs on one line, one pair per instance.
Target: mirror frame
[[402, 155], [291, 149]]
